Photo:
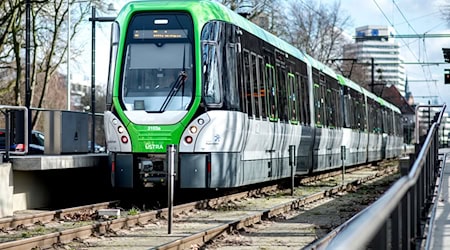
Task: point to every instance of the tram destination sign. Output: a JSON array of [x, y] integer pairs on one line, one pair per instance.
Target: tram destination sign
[[160, 34]]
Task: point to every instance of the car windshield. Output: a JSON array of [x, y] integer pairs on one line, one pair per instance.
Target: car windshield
[[37, 138]]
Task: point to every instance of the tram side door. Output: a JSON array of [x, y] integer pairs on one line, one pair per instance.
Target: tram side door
[[272, 114]]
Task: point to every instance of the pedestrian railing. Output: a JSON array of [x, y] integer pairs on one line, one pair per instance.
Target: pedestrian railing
[[398, 219], [7, 110]]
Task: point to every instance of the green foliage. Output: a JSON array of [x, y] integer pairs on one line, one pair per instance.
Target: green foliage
[[134, 211]]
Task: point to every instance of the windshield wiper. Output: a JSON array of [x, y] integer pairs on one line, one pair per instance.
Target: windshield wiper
[[174, 90]]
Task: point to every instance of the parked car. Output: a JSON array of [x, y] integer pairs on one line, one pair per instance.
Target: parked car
[[3, 140], [36, 145], [98, 148]]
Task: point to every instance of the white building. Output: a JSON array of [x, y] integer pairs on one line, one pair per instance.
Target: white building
[[376, 42], [80, 86]]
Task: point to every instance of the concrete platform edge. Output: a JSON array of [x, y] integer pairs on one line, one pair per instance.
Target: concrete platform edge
[[6, 190]]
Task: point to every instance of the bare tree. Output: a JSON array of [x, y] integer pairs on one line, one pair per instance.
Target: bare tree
[[254, 7], [317, 30], [49, 28], [264, 13], [354, 69]]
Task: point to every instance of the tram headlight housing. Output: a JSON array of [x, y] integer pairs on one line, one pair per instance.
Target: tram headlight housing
[[120, 129], [193, 129], [188, 139]]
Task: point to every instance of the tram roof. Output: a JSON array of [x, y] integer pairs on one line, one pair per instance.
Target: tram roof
[[206, 10], [349, 83]]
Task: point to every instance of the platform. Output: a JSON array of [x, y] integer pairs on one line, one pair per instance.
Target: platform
[[440, 232], [37, 181], [51, 162]]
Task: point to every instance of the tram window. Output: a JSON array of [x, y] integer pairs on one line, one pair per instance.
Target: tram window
[[262, 87], [357, 116], [282, 90], [300, 101], [353, 113], [271, 93], [211, 72], [318, 105], [112, 63], [379, 119], [332, 101], [361, 120], [165, 52], [386, 128], [254, 81], [231, 90], [319, 98], [247, 84], [372, 116], [347, 103], [241, 87], [322, 110], [389, 122], [350, 112], [293, 98], [364, 122], [330, 112], [339, 115], [304, 90], [298, 89], [372, 119]]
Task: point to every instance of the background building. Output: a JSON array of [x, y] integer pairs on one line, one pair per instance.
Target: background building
[[80, 87], [376, 42]]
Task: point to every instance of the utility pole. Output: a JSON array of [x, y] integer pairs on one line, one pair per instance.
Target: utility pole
[[373, 75], [93, 20], [28, 66]]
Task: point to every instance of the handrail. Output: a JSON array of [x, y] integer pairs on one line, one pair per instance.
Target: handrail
[[8, 107], [433, 209], [368, 222], [417, 119], [402, 205]]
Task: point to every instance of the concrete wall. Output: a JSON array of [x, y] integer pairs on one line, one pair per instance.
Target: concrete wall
[[51, 182], [30, 190], [6, 190]]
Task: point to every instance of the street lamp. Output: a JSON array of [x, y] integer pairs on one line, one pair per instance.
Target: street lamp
[[95, 19]]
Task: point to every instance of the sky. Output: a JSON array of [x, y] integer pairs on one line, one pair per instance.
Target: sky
[[407, 17]]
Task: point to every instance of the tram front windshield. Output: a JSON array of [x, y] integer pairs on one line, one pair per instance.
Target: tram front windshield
[[158, 63]]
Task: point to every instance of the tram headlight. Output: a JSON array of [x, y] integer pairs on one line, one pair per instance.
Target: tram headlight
[[201, 121], [124, 139], [193, 129], [120, 129], [188, 139]]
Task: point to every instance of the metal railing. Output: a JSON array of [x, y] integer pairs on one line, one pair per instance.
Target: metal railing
[[13, 131], [397, 219], [434, 208], [6, 109]]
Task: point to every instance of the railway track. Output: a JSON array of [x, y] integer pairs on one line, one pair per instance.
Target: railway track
[[195, 223]]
